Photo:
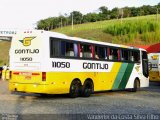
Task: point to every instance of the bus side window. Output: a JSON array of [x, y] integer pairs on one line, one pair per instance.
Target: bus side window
[[137, 56], [132, 56], [86, 51], [69, 49], [106, 53], [96, 53], [63, 48], [80, 47], [114, 54], [54, 47], [100, 52], [75, 50], [110, 54], [125, 55]]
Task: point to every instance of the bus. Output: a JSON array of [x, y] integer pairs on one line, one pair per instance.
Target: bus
[[47, 62], [154, 67]]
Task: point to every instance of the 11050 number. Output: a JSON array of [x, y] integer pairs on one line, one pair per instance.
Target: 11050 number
[[60, 64], [26, 59]]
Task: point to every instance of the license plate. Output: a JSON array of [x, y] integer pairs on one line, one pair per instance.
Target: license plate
[[25, 73]]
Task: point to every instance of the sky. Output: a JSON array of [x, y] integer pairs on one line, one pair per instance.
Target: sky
[[24, 14]]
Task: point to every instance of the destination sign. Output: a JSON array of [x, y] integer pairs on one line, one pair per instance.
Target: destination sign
[[7, 32]]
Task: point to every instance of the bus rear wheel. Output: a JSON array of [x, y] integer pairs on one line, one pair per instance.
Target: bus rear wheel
[[87, 89], [136, 85], [75, 89]]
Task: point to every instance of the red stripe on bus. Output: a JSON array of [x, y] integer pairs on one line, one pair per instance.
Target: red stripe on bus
[[35, 74], [16, 73]]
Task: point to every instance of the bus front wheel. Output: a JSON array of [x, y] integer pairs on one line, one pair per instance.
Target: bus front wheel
[[87, 89], [136, 85], [75, 89]]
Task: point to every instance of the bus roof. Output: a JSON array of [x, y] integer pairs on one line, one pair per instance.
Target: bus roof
[[63, 36]]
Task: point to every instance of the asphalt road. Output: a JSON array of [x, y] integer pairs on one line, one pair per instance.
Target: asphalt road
[[144, 102]]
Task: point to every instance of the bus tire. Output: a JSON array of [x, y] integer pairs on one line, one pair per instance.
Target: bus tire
[[75, 89], [136, 85], [87, 88], [44, 95]]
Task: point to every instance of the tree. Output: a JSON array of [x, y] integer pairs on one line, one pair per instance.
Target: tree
[[114, 13], [77, 17], [104, 13], [126, 12], [40, 24], [91, 17], [134, 11], [146, 10]]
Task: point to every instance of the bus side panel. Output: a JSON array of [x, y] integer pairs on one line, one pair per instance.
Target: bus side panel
[[105, 80], [137, 73], [121, 76], [60, 81]]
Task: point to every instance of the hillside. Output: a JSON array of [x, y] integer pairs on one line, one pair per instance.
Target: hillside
[[142, 30], [4, 52]]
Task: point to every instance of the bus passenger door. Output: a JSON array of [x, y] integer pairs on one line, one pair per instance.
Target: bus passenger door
[[145, 64]]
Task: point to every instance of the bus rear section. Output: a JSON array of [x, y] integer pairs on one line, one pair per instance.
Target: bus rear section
[[154, 70], [25, 62]]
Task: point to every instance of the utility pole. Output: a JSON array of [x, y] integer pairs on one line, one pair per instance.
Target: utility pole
[[121, 15], [72, 21], [61, 23], [157, 15]]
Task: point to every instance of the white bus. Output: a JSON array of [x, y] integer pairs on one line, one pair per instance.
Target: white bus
[[52, 63]]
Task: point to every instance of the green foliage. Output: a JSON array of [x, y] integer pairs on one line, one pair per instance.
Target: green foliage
[[103, 14], [92, 17], [143, 29], [133, 30], [132, 27]]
